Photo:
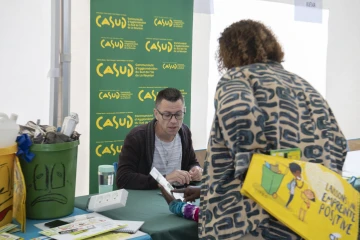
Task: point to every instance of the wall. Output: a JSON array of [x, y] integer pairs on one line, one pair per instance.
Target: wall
[[199, 79], [342, 78], [25, 59], [80, 86]]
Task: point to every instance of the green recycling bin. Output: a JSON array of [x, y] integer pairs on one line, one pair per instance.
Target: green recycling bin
[[50, 180]]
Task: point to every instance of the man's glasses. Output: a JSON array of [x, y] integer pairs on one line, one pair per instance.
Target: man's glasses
[[167, 116]]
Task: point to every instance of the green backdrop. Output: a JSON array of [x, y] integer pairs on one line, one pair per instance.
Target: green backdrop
[[137, 48]]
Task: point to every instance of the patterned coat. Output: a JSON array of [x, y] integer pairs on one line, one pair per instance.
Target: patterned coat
[[258, 108]]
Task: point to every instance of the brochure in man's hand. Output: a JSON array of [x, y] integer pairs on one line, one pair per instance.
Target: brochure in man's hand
[[163, 182], [309, 198]]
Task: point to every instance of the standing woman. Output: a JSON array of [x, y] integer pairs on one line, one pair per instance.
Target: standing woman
[[259, 106]]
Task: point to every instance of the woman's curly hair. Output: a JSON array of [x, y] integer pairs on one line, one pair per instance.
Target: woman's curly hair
[[246, 42]]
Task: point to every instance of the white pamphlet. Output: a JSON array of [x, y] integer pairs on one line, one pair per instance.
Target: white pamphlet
[[163, 182]]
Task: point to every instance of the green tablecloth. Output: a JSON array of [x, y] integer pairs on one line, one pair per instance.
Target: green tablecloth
[[149, 206]]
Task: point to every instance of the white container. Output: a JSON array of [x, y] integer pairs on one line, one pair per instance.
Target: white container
[[9, 130], [69, 124]]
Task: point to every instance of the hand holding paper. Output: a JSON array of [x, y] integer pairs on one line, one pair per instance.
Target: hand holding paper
[[164, 183]]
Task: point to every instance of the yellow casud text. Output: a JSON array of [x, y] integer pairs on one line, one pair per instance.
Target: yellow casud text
[[109, 95], [158, 46], [169, 66], [112, 44], [114, 122], [142, 95], [110, 21], [162, 22], [111, 149], [117, 70]]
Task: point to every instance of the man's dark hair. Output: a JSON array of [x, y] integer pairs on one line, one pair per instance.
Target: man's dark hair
[[294, 167], [169, 94]]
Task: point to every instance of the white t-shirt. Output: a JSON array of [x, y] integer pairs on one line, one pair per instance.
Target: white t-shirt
[[167, 155]]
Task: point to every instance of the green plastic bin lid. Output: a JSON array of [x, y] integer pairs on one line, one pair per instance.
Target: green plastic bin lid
[[106, 168]]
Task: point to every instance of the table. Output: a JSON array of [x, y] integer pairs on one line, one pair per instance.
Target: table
[[151, 207], [33, 232]]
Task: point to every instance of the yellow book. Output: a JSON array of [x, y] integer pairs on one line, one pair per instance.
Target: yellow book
[[310, 199]]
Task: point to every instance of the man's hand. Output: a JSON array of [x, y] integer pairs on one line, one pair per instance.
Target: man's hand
[[169, 198], [182, 177], [196, 173], [190, 193]]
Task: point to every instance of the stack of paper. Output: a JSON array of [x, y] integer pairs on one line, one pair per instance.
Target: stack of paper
[[8, 236], [92, 226], [82, 229], [130, 226], [7, 228]]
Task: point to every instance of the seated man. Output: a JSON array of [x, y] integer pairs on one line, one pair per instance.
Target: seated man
[[164, 143]]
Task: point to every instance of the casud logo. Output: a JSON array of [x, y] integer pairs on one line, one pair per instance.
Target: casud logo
[[158, 46], [101, 150], [112, 44], [109, 95], [170, 66], [109, 21], [142, 95], [162, 22], [114, 122], [115, 69]]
